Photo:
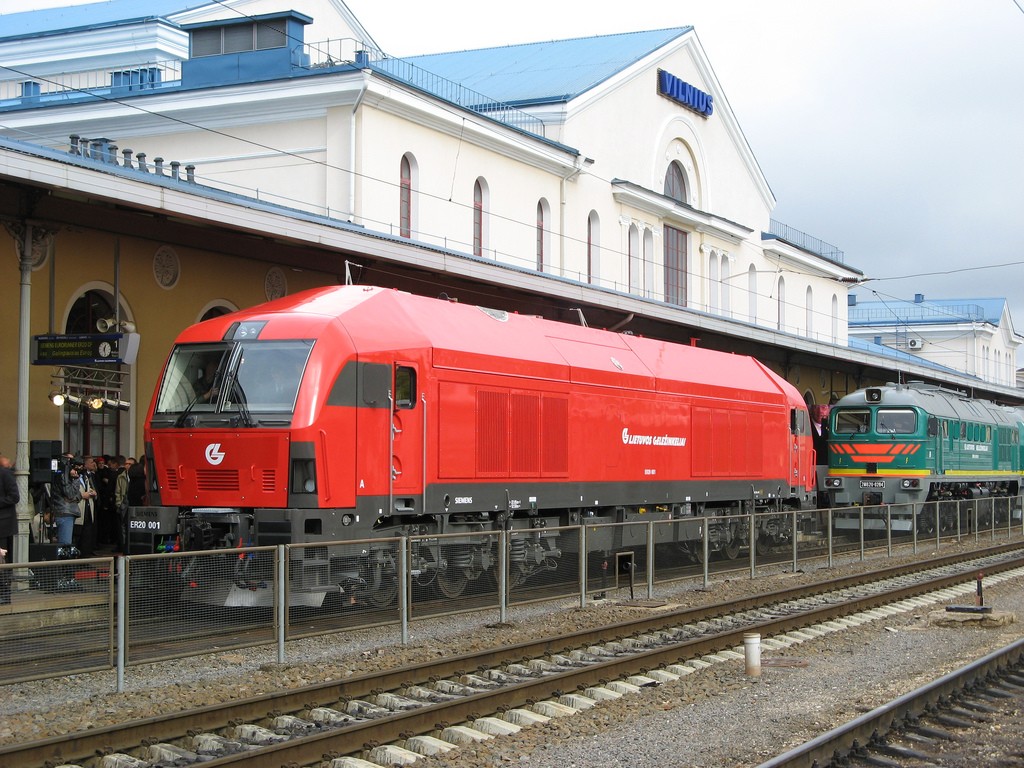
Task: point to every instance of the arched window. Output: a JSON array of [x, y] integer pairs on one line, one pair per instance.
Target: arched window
[[593, 248], [675, 183], [543, 234], [835, 318], [726, 303], [405, 197], [809, 312], [480, 200], [752, 294], [89, 431], [635, 261], [675, 266], [780, 320], [217, 311], [713, 282], [648, 257]]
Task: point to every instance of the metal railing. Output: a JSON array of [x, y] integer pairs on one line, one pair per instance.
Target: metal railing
[[142, 77], [805, 241], [904, 313], [72, 616]]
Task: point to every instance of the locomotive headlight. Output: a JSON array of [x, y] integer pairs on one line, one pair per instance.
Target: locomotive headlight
[[910, 482], [833, 482], [304, 475]]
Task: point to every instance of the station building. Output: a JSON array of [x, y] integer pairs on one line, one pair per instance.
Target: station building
[[162, 167]]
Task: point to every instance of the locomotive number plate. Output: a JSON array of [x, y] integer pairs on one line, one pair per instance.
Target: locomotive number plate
[[872, 483]]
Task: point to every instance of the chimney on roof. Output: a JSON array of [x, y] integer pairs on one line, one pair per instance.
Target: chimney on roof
[[919, 298]]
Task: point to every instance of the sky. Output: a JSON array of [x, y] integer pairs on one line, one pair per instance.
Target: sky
[[892, 129]]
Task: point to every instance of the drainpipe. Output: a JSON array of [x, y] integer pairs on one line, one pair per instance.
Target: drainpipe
[[571, 176], [352, 148]]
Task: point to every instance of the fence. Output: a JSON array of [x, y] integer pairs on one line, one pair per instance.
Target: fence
[[72, 616]]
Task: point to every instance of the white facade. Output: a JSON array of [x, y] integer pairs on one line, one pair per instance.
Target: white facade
[[586, 202], [972, 336]]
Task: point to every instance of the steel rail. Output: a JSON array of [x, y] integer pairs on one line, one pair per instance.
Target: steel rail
[[86, 744], [837, 743]]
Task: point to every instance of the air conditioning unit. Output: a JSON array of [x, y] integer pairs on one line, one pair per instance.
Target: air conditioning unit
[[915, 343]]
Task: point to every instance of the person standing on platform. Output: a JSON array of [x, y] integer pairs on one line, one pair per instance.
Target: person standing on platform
[[86, 522], [137, 483], [121, 500], [106, 472], [65, 496], [9, 497]]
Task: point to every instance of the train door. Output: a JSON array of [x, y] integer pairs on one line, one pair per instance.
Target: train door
[[938, 431], [407, 425], [802, 468]]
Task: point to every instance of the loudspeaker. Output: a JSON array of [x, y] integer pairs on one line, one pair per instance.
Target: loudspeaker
[[41, 455], [39, 552]]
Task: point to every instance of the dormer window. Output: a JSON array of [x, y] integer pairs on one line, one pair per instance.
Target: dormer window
[[236, 38]]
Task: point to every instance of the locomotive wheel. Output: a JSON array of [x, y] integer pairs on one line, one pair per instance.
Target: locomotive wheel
[[387, 594], [731, 550], [516, 577], [763, 545], [452, 581]]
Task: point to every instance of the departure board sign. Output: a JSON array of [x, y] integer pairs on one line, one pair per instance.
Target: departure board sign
[[84, 348]]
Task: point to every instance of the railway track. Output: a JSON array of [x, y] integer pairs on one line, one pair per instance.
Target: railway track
[[927, 726], [343, 717]]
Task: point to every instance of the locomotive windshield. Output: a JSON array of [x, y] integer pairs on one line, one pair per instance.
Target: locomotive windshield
[[887, 421], [896, 421], [252, 381], [852, 421]]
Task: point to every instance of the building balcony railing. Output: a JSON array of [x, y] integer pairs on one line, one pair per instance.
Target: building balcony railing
[[916, 314], [147, 76], [347, 52], [806, 242]]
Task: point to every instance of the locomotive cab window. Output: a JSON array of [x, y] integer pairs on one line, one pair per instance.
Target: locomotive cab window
[[193, 378], [896, 421], [405, 387], [852, 421], [230, 377]]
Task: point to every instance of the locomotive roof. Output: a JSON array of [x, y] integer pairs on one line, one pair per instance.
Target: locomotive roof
[[936, 401], [474, 338]]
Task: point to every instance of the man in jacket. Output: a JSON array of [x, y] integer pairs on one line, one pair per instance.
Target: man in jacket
[[9, 497]]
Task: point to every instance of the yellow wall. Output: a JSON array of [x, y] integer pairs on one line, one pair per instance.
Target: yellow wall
[[83, 260]]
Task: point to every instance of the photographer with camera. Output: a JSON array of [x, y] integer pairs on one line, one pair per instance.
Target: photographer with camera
[[66, 494]]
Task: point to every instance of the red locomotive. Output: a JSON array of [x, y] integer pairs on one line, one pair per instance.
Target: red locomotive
[[353, 412]]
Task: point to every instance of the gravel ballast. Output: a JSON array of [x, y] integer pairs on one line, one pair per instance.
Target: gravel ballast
[[715, 717]]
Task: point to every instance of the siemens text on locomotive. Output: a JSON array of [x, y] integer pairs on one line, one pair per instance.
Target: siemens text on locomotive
[[914, 452], [350, 413]]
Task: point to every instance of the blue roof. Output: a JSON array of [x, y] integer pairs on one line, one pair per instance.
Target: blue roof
[[538, 73], [52, 21], [932, 312]]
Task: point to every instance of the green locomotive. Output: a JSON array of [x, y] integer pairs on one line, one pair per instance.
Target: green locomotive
[[907, 452]]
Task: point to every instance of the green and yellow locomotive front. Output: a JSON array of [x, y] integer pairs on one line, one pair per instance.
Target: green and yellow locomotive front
[[882, 446], [917, 450]]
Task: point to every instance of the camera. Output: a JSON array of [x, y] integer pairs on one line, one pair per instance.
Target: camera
[[63, 465]]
